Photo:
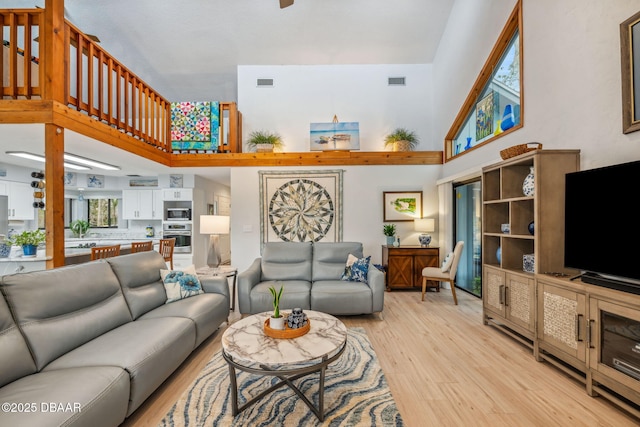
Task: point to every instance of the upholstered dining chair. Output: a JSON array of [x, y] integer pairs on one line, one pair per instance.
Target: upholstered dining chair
[[99, 252], [446, 273], [166, 250], [141, 246]]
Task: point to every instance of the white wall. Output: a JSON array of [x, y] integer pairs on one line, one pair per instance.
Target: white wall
[[362, 203], [354, 93]]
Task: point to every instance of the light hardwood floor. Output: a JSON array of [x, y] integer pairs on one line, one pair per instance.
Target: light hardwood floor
[[444, 368]]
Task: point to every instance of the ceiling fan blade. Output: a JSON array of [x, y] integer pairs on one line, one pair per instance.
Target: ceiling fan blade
[[285, 3]]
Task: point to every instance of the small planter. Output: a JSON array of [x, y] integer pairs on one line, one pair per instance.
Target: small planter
[[29, 250], [277, 323], [264, 148], [402, 146]]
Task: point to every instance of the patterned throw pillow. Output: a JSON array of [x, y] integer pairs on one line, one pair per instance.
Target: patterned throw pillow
[[181, 284], [446, 264], [356, 269]]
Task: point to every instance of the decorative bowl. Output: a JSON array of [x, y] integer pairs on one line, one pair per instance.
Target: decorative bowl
[[506, 228], [287, 332]]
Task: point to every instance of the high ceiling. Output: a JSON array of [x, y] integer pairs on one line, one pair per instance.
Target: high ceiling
[[190, 49]]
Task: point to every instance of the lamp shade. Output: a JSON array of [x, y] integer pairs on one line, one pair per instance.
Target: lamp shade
[[424, 224], [214, 224]]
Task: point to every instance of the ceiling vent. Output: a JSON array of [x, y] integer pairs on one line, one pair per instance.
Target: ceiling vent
[[397, 81], [265, 82]]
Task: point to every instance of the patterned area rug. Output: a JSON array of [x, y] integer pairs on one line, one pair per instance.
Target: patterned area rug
[[356, 394]]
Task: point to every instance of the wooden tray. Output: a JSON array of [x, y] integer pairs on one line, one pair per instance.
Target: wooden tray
[[287, 332]]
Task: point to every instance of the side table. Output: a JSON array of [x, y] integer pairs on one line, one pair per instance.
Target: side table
[[223, 270]]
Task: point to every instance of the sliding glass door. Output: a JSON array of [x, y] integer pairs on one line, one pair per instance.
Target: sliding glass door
[[468, 220]]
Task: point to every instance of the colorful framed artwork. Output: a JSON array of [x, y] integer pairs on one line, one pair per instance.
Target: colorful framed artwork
[[195, 125], [335, 136], [401, 205], [301, 206], [484, 117], [95, 181]]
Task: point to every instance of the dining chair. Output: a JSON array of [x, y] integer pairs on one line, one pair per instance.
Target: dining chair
[[141, 246], [99, 252], [449, 275], [166, 250]]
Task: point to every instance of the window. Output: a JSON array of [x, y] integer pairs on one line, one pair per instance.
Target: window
[[102, 213], [68, 210], [493, 107]]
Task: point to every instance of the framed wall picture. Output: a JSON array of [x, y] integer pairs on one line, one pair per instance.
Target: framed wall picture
[[95, 181], [630, 55], [484, 117], [301, 206], [334, 136], [401, 205]]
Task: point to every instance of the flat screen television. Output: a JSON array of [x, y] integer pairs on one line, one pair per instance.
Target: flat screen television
[[602, 225]]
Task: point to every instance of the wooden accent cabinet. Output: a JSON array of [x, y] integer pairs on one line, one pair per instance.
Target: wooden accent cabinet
[[404, 265]]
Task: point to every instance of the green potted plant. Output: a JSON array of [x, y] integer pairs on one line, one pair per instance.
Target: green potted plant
[[29, 240], [389, 230], [401, 139], [277, 319], [79, 227], [263, 141]]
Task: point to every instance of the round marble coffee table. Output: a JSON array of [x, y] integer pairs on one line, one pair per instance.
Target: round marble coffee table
[[246, 347]]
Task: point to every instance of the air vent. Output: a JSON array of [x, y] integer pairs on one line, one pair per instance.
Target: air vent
[[397, 81], [265, 82]]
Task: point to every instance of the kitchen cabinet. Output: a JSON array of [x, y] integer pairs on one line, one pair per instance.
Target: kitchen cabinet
[[178, 194], [20, 198], [404, 265], [142, 204]]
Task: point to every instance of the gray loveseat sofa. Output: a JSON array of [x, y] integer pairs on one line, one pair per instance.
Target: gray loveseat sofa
[[85, 345], [311, 276]]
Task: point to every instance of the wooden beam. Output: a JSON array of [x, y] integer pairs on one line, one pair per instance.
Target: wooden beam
[[54, 193], [25, 111], [53, 39]]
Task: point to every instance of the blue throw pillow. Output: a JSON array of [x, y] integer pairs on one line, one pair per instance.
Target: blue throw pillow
[[356, 269], [181, 284]]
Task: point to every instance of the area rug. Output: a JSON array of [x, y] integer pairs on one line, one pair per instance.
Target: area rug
[[356, 394]]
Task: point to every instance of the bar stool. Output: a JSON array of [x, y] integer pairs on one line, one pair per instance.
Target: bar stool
[[166, 250], [141, 246], [99, 252]]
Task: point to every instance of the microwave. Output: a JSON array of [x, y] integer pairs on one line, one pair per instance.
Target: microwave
[[178, 214]]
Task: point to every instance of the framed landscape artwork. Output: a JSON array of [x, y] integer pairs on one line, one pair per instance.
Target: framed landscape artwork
[[335, 136], [401, 205], [630, 53]]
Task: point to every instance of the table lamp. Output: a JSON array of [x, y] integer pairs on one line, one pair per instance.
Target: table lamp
[[424, 225], [214, 225]]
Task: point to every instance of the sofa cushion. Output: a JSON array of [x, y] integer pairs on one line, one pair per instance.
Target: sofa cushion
[[356, 269], [295, 294], [338, 297], [149, 350], [60, 309], [139, 275], [286, 261], [14, 352], [207, 311], [95, 396], [330, 258], [180, 284]]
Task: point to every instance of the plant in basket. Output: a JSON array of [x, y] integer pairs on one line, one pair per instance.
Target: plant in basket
[[277, 319]]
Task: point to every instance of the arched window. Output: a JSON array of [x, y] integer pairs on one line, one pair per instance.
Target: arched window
[[494, 106]]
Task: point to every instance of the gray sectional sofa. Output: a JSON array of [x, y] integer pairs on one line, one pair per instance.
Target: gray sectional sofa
[[85, 345], [311, 276]]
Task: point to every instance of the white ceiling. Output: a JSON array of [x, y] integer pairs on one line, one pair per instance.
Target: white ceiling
[[190, 49]]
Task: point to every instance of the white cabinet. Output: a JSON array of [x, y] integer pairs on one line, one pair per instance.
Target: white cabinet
[[185, 194], [141, 204], [20, 197]]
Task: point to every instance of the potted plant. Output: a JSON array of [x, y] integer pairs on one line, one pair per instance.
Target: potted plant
[[29, 240], [389, 230], [79, 227], [264, 141], [277, 319], [401, 139]]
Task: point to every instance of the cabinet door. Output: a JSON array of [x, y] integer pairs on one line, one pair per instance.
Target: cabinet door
[[21, 201], [562, 320], [158, 206], [422, 261], [493, 290], [520, 300], [145, 204], [130, 204], [400, 274], [178, 194]]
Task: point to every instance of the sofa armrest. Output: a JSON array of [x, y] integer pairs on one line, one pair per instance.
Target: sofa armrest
[[216, 285], [246, 281], [375, 279]]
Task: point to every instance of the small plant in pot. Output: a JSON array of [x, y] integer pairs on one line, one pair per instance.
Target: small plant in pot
[[264, 141], [79, 227], [389, 230], [29, 240], [401, 139], [277, 319]]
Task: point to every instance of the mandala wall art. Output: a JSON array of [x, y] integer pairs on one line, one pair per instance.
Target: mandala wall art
[[301, 206]]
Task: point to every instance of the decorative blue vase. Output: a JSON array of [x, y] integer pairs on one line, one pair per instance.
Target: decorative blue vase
[[530, 227], [499, 254], [528, 187], [466, 147], [390, 240], [29, 250]]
